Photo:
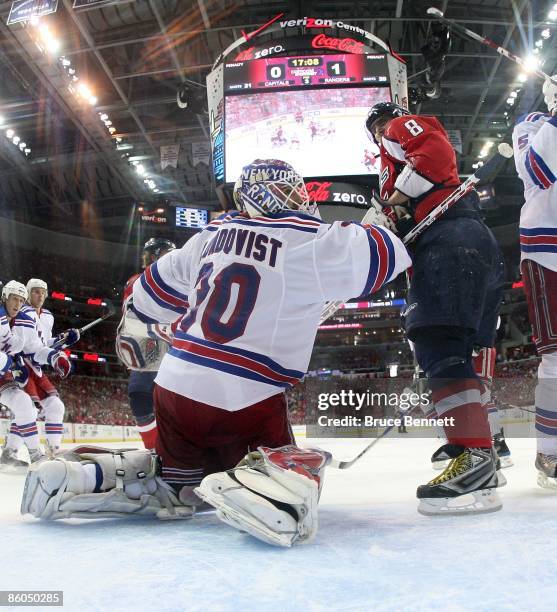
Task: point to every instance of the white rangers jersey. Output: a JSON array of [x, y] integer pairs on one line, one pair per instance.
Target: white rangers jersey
[[257, 287], [27, 328], [535, 154], [9, 344], [45, 326]]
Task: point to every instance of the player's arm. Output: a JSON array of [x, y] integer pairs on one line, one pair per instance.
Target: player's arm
[[351, 260], [540, 158], [160, 294], [24, 329]]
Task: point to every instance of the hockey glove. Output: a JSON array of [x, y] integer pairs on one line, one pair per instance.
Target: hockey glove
[[66, 338], [20, 372], [376, 215], [60, 363]]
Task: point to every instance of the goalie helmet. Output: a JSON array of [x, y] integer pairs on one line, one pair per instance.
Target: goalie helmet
[[380, 110], [269, 186], [550, 94], [33, 283], [14, 288]]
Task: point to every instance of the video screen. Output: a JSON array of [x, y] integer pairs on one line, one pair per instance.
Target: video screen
[[319, 131], [195, 218]]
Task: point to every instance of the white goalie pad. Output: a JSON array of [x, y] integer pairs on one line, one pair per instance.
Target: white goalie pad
[[272, 494], [141, 346], [131, 486]]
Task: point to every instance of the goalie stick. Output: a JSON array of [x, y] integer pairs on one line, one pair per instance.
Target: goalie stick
[[435, 12], [492, 166]]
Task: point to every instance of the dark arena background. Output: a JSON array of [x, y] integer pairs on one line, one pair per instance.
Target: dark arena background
[[126, 120]]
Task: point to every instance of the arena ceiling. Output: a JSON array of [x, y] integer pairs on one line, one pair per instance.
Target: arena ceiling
[[134, 54]]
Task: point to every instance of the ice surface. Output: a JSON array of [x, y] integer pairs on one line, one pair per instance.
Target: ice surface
[[373, 550]]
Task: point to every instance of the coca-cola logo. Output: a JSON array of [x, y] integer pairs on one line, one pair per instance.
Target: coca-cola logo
[[348, 45], [318, 191]]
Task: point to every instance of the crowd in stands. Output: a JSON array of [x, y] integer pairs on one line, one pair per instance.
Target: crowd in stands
[[68, 275], [95, 400]]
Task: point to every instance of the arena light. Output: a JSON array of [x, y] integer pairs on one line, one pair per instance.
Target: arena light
[[140, 169], [160, 210], [65, 61], [531, 63], [546, 33], [514, 94], [510, 101], [10, 133], [27, 151], [539, 43], [103, 116], [112, 129], [22, 145], [1, 121], [16, 140], [522, 77], [552, 16], [95, 301]]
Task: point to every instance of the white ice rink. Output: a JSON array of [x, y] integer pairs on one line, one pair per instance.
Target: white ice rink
[[373, 550]]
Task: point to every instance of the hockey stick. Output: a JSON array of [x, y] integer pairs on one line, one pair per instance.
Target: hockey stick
[[343, 465], [96, 321], [434, 12], [492, 166]]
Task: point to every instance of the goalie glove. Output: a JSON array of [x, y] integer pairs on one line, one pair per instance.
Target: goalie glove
[[66, 338], [377, 214], [60, 363]]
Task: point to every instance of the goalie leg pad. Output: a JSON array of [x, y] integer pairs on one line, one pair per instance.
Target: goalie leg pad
[[130, 485], [272, 494]]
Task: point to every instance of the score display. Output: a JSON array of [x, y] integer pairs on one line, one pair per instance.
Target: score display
[[306, 71], [193, 218]]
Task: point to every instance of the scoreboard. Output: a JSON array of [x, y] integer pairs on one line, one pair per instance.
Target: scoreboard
[[306, 71], [193, 218]]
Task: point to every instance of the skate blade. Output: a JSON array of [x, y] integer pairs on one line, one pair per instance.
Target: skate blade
[[506, 462], [477, 502], [241, 522], [546, 482], [440, 465]]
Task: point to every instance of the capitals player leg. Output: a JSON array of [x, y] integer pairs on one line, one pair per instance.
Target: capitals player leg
[[140, 393], [540, 285], [457, 267]]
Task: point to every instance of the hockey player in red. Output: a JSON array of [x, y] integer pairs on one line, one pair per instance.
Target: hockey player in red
[[141, 348], [453, 299], [256, 281]]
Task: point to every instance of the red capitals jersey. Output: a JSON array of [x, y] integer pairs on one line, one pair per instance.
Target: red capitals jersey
[[128, 288], [418, 160]]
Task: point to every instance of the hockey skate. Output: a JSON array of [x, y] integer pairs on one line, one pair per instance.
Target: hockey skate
[[9, 461], [503, 452], [442, 457], [467, 486], [547, 471]]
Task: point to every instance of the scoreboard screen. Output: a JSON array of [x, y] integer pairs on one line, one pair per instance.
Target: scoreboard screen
[[305, 71], [194, 218]]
